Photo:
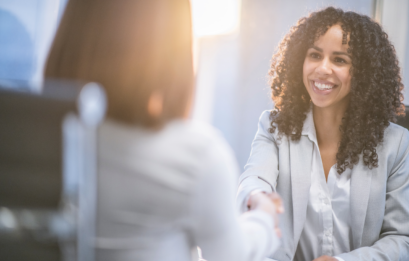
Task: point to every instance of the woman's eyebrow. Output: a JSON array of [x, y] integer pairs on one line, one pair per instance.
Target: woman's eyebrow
[[317, 48], [335, 53], [342, 53]]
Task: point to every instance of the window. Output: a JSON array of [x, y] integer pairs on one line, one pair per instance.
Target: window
[[27, 28]]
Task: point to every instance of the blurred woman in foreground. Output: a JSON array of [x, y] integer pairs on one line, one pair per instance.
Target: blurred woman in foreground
[[165, 184]]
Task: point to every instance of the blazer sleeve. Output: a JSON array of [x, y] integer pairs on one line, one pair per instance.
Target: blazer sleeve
[[217, 229], [393, 243], [261, 170]]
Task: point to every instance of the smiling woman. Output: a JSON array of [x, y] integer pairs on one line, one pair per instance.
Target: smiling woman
[[330, 148], [374, 79]]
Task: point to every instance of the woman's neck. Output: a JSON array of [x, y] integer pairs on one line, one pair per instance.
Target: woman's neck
[[327, 122]]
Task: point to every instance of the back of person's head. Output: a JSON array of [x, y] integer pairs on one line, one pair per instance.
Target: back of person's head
[[135, 49]]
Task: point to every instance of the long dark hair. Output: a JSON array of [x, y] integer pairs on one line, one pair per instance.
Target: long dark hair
[[131, 47]]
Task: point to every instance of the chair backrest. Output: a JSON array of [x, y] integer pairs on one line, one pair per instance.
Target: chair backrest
[[31, 148], [47, 169]]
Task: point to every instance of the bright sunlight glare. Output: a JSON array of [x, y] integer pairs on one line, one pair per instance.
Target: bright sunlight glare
[[215, 17]]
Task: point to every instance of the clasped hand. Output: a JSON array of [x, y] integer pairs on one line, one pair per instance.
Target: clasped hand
[[270, 203]]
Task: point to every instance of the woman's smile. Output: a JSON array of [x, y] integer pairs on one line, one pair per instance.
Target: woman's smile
[[322, 87]]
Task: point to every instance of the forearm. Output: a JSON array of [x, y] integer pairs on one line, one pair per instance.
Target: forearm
[[258, 230], [216, 227], [250, 238]]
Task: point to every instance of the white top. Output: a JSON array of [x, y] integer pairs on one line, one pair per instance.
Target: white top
[[327, 229], [160, 194]]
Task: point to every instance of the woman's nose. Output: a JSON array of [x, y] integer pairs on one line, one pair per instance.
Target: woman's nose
[[324, 68]]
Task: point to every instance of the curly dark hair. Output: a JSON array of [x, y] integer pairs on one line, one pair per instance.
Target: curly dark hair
[[376, 87]]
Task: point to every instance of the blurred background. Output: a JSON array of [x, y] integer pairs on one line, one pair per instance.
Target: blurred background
[[234, 41]]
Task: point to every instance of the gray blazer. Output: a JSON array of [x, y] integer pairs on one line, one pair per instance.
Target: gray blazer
[[379, 196]]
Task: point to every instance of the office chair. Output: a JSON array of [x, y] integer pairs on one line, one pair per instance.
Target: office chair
[[48, 171]]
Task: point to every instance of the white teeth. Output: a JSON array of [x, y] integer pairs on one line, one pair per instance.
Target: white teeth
[[322, 86]]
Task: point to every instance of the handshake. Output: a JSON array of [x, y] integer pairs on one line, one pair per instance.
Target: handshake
[[270, 203]]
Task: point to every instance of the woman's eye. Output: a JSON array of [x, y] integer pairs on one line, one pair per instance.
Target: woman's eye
[[315, 55], [339, 60]]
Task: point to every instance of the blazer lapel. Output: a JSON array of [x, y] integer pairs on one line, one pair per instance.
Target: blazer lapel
[[300, 156], [361, 178]]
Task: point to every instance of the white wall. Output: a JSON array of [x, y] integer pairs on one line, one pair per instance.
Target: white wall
[[394, 19]]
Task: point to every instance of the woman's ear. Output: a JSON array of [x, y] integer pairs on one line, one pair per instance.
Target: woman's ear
[[155, 104]]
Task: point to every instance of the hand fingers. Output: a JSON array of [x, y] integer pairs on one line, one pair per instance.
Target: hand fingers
[[278, 232], [253, 195], [276, 199]]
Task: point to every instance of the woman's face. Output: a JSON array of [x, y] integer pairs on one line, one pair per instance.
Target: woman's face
[[326, 70]]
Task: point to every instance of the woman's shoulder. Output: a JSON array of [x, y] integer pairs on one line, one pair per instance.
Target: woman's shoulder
[[266, 124], [395, 133], [197, 133], [268, 115], [183, 147], [206, 147], [176, 135], [395, 141], [198, 139]]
